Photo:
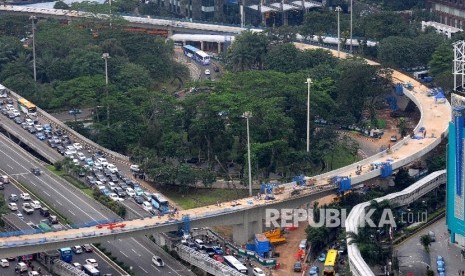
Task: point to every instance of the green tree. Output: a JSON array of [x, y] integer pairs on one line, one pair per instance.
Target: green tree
[[425, 240], [61, 5], [283, 58], [247, 52]]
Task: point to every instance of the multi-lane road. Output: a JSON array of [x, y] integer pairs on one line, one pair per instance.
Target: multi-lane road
[[78, 208]]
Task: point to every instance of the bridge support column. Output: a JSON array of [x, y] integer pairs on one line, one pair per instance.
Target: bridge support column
[[170, 33], [253, 224], [201, 45], [219, 47], [285, 18]]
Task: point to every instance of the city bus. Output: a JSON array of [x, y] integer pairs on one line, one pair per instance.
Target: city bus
[[160, 203], [90, 270], [196, 54], [27, 107], [66, 255], [330, 263], [234, 263]]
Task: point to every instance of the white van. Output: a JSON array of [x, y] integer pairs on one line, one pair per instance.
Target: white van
[[200, 244], [21, 267]]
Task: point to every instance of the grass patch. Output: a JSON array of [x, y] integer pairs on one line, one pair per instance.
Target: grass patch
[[192, 197], [340, 157], [76, 183]]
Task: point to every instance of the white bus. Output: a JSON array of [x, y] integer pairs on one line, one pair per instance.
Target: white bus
[[90, 270], [234, 263], [27, 107], [196, 54]]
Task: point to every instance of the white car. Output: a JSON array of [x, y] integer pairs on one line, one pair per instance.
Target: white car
[[25, 196], [38, 127], [9, 107], [157, 261], [29, 122], [69, 154], [112, 168], [258, 272], [130, 191], [77, 265], [4, 263], [147, 206], [16, 113], [98, 166], [33, 273], [207, 72], [77, 146], [20, 215], [36, 204], [76, 161], [134, 168], [103, 161], [81, 156], [13, 206], [115, 197], [71, 149], [92, 262]]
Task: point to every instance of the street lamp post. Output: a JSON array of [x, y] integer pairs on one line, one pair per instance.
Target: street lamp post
[[351, 18], [248, 115], [308, 82], [338, 9], [33, 19], [106, 56]]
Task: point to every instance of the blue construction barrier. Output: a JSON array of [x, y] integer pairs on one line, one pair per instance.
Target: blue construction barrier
[[392, 101], [186, 223], [343, 183], [386, 170], [299, 179], [399, 89]]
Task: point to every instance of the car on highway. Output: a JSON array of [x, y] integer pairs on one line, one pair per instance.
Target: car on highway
[[130, 192], [29, 122], [4, 111], [31, 129], [80, 156], [303, 244], [87, 248], [61, 150], [36, 204], [106, 192], [44, 211], [112, 168], [120, 192], [115, 197], [157, 261], [41, 136], [53, 219], [102, 161], [74, 111], [138, 191], [92, 262], [12, 206], [18, 120], [258, 272], [25, 196], [134, 168], [27, 208], [313, 271], [77, 249], [207, 72], [36, 171], [77, 265], [38, 127], [20, 215], [13, 197], [77, 146], [147, 206], [71, 149], [138, 199], [4, 263], [322, 257], [47, 128], [89, 161]]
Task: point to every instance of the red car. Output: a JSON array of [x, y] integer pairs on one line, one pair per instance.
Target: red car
[[218, 258]]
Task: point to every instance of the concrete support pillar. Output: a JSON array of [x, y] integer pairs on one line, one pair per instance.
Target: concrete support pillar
[[170, 33], [285, 19], [252, 224], [183, 43], [201, 45], [219, 47]]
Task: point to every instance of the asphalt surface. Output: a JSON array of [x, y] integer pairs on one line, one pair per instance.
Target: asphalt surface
[[79, 208], [64, 116], [413, 258], [35, 218]]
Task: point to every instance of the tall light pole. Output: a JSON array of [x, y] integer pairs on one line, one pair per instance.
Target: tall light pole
[[33, 19], [106, 56], [248, 115], [351, 18], [308, 82], [338, 10]]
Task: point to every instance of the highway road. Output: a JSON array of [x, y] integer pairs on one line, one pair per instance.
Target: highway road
[[79, 208], [104, 266]]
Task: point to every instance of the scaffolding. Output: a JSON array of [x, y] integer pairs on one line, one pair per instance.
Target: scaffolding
[[459, 66]]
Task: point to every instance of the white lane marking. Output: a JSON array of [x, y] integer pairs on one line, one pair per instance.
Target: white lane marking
[[59, 202], [157, 268], [10, 166], [143, 269], [152, 253], [136, 252], [124, 254], [46, 193], [71, 212]]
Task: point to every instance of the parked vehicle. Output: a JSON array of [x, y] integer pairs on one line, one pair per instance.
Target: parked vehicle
[[27, 208], [157, 261], [25, 196], [13, 206]]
